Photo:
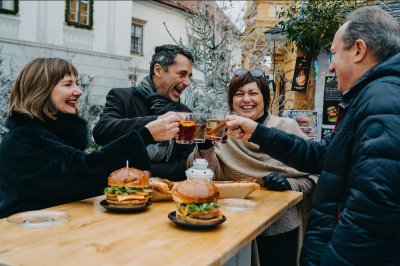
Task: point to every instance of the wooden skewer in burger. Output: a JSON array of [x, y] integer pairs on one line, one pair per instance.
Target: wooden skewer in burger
[[127, 188], [197, 202]]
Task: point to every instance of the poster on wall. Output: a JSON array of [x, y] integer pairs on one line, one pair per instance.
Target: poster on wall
[[306, 119], [332, 98], [326, 130], [301, 73]]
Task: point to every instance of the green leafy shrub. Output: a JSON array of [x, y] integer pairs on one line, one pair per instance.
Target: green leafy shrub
[[313, 24]]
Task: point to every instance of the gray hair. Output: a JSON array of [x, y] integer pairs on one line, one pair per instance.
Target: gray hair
[[379, 30]]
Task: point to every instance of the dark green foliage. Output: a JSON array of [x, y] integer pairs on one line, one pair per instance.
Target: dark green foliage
[[313, 24]]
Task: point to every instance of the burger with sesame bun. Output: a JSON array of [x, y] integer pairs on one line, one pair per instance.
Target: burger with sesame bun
[[197, 202], [128, 187], [304, 123], [331, 113]]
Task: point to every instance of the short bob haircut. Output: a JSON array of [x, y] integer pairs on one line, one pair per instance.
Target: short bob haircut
[[239, 81], [35, 82]]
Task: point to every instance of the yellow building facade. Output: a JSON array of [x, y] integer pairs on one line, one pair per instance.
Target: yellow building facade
[[261, 16]]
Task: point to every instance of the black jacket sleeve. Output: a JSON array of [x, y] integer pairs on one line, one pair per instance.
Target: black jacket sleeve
[[56, 170], [174, 171], [125, 111], [303, 155], [117, 117]]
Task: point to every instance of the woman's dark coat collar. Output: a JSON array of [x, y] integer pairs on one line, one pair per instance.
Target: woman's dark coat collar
[[71, 129]]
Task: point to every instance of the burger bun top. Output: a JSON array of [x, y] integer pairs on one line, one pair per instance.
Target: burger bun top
[[129, 177], [302, 118], [195, 191]]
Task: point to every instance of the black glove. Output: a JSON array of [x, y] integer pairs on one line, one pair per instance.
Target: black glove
[[276, 181]]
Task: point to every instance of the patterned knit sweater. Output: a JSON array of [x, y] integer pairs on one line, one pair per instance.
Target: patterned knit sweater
[[238, 160]]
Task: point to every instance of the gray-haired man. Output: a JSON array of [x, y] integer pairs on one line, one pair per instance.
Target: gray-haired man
[[356, 214]]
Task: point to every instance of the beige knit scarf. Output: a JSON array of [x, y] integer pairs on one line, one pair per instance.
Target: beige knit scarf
[[243, 160]]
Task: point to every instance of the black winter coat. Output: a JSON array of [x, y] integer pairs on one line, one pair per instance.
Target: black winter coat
[[43, 165], [125, 110], [355, 219]]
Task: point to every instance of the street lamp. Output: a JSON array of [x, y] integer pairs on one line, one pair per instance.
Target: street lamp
[[275, 33], [272, 35]]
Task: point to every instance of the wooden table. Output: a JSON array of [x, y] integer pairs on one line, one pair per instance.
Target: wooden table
[[94, 236]]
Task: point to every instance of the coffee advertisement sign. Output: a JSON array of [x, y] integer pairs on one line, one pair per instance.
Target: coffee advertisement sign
[[301, 73]]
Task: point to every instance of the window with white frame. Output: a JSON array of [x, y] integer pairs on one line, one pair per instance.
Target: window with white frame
[[9, 6], [79, 13], [137, 36]]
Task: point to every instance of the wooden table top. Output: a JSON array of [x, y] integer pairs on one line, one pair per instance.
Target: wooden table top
[[94, 236]]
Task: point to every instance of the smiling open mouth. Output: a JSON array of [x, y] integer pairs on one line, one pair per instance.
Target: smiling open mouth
[[178, 90], [71, 103], [247, 107]]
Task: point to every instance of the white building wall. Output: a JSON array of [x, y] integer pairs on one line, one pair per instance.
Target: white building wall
[[28, 20], [112, 20], [53, 15], [122, 37], [155, 33], [43, 22], [101, 53]]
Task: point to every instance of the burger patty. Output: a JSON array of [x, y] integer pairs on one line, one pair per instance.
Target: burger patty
[[209, 214], [131, 199], [127, 202], [190, 220], [121, 197]]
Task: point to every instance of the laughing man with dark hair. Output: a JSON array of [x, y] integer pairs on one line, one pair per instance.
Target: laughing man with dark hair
[[157, 96]]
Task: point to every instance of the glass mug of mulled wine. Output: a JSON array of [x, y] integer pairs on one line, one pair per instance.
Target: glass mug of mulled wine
[[225, 136], [200, 131], [187, 127], [226, 132], [216, 124]]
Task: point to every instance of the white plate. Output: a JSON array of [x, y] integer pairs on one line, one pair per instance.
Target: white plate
[[237, 205], [38, 219]]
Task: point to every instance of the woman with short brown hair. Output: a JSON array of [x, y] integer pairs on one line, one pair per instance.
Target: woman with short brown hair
[[249, 96]]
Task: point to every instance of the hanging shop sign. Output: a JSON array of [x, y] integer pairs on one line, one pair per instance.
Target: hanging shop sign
[[326, 130], [301, 73], [332, 98]]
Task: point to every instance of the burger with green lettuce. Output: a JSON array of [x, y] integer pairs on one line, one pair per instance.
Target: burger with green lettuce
[[197, 202], [128, 187]]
